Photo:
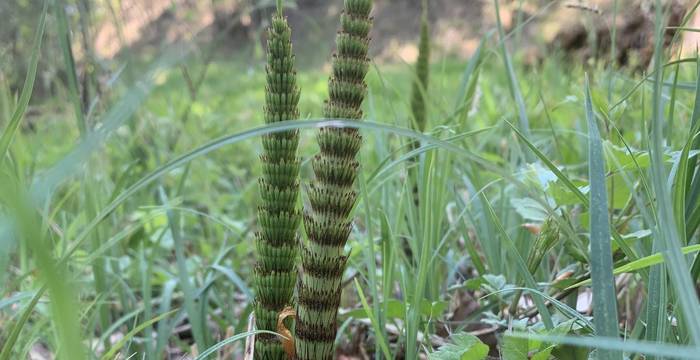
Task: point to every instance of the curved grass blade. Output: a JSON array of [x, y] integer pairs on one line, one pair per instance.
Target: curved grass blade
[[391, 161], [553, 168], [640, 264], [9, 301], [575, 190], [55, 275], [691, 183], [111, 354], [112, 120], [235, 279], [649, 77], [11, 339], [27, 88], [188, 288], [106, 334], [210, 351], [565, 309], [245, 135], [520, 264], [615, 344]]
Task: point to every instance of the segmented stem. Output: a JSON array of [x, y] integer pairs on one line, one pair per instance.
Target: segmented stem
[[332, 196], [277, 241], [419, 92], [420, 84]]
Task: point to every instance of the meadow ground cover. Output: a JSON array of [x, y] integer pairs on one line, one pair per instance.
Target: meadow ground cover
[[556, 214]]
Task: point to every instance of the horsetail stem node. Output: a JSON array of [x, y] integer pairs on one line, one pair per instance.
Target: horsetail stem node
[[277, 240], [331, 195]]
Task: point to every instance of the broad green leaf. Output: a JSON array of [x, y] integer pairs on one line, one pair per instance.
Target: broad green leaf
[[514, 348], [462, 346], [529, 209], [623, 160]]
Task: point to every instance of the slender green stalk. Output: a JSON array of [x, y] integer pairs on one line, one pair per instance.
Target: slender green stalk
[[276, 243], [71, 74], [419, 92], [515, 92], [420, 85], [332, 195]]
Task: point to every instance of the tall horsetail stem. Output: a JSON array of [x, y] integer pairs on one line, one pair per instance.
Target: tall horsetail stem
[[277, 241], [420, 84], [419, 92], [332, 196]]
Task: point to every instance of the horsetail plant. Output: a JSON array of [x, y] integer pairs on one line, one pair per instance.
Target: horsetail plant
[[422, 73], [277, 241], [419, 107], [332, 196]]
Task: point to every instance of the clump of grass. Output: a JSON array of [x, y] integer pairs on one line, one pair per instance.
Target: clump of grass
[[332, 195], [276, 243], [546, 239]]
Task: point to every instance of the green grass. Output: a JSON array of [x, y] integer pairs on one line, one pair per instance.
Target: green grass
[[146, 223]]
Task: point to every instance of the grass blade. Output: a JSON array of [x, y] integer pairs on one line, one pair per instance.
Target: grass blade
[[631, 346], [11, 339], [188, 289], [64, 40], [380, 334], [235, 279], [514, 87], [208, 352], [670, 239], [13, 125], [237, 138], [520, 264], [112, 353], [604, 295], [642, 263], [575, 190]]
